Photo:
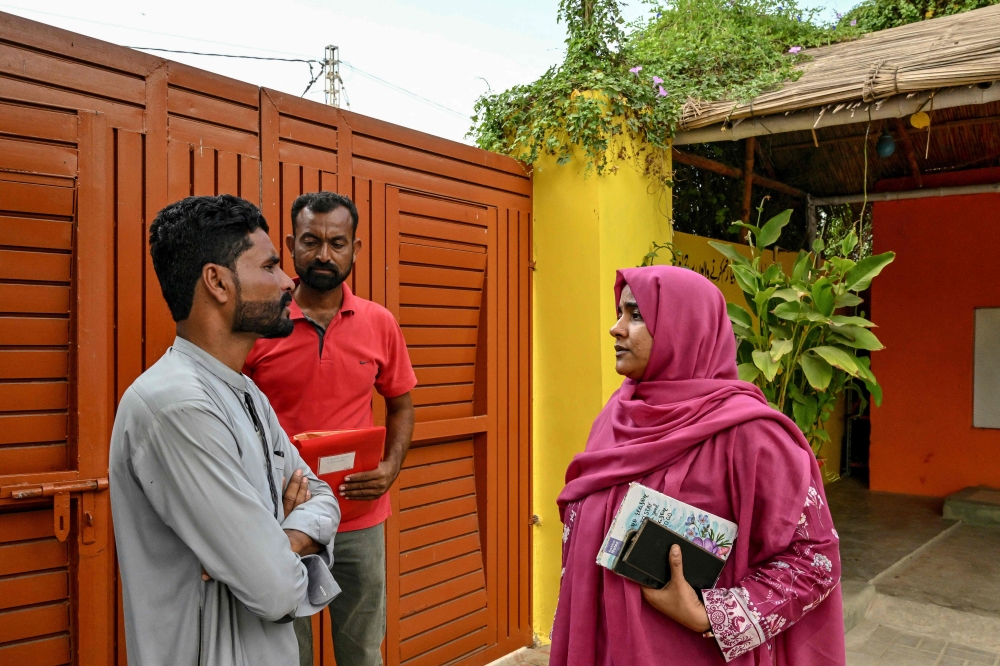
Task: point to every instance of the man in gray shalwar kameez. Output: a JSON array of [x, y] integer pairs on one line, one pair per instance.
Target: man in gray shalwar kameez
[[223, 534]]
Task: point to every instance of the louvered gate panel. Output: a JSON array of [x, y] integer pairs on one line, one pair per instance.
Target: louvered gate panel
[[437, 255], [56, 384]]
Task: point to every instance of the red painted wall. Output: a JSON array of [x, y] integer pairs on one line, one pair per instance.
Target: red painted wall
[[947, 260]]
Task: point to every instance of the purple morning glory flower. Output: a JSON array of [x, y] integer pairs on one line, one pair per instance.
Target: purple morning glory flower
[[780, 8], [657, 80], [854, 22], [795, 49], [839, 16], [662, 92], [636, 69], [658, 14]]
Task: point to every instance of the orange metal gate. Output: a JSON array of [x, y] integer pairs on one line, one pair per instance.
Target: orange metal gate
[[94, 140]]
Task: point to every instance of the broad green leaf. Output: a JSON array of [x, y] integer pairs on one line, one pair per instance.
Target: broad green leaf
[[849, 243], [801, 265], [823, 297], [859, 277], [818, 245], [773, 274], [795, 311], [744, 333], [859, 338], [738, 315], [853, 321], [729, 251], [838, 358], [790, 311], [805, 414], [864, 369], [822, 434], [848, 301], [744, 225], [841, 264], [766, 364], [746, 278], [748, 372], [787, 294], [818, 372], [876, 392], [781, 347], [771, 230], [762, 298], [781, 329]]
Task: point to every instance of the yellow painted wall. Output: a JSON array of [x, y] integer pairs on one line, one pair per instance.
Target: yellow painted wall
[[585, 227]]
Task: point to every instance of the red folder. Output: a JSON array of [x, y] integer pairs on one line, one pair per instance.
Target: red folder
[[334, 454]]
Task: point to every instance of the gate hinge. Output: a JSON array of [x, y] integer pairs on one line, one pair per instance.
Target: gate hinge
[[60, 492]]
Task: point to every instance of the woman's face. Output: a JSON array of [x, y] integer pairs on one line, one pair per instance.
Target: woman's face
[[633, 341]]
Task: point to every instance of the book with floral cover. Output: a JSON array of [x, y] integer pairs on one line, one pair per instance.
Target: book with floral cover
[[705, 530]]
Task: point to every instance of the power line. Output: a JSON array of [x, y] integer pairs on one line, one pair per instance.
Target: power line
[[403, 90], [311, 62], [314, 76], [149, 32]]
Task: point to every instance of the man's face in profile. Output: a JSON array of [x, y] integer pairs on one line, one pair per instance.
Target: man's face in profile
[[263, 291]]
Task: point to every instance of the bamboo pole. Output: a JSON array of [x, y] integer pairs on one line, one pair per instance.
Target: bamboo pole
[[748, 146]]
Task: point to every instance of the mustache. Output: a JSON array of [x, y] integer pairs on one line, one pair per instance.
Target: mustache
[[324, 266], [286, 299]]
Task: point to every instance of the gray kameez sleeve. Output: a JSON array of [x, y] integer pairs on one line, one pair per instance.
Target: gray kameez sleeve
[[318, 518], [190, 472]]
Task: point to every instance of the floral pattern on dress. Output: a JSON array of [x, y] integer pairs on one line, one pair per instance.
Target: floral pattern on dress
[[735, 623], [776, 595]]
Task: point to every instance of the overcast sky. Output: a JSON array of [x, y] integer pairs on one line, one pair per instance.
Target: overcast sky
[[446, 51]]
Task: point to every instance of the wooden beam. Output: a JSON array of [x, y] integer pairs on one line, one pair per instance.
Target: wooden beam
[[964, 122], [911, 155], [748, 152], [764, 161], [777, 186], [707, 164]]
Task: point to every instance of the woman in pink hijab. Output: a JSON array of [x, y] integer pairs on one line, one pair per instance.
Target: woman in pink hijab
[[684, 424]]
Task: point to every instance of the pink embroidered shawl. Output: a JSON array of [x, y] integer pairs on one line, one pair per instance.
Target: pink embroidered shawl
[[694, 431]]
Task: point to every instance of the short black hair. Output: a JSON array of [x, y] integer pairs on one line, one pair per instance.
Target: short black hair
[[196, 231], [324, 202]]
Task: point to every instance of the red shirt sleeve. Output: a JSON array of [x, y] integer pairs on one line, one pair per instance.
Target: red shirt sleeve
[[395, 375]]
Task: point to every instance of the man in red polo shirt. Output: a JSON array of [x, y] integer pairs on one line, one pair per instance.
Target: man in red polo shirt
[[321, 378]]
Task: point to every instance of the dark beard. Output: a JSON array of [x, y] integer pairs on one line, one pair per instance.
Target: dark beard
[[321, 282], [265, 318]]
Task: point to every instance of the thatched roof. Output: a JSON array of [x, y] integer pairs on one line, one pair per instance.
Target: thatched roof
[[957, 50]]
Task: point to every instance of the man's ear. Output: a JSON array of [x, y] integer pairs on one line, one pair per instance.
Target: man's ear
[[219, 283], [290, 244], [357, 245]]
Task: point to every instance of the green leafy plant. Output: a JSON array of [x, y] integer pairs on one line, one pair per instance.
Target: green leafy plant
[[874, 15], [632, 81], [797, 339]]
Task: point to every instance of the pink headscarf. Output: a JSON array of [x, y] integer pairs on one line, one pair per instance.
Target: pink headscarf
[[693, 430]]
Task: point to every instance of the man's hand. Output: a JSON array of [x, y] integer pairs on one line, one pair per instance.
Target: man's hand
[[370, 485], [301, 543], [296, 492], [678, 600]]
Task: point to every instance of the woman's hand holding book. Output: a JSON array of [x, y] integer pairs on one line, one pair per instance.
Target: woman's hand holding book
[[677, 599]]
